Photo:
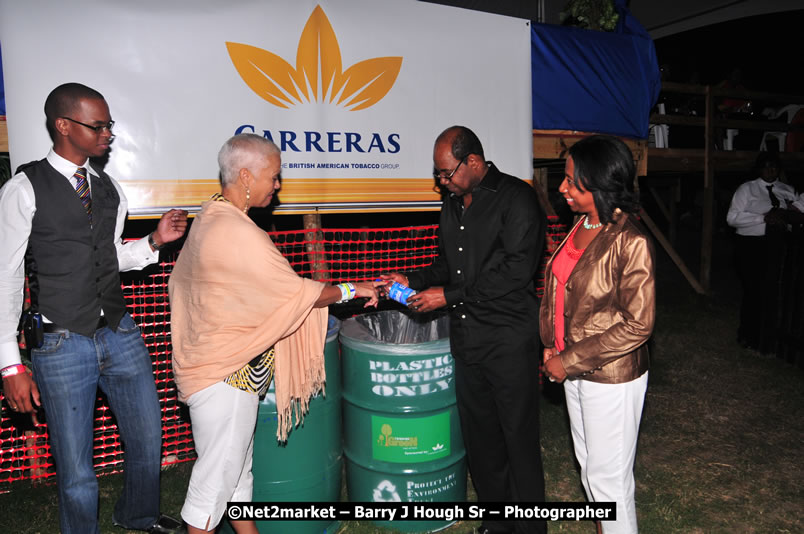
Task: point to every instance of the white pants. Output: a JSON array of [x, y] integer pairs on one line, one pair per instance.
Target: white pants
[[223, 419], [604, 419]]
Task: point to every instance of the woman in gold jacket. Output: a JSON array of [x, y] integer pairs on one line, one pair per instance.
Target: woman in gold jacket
[[596, 317]]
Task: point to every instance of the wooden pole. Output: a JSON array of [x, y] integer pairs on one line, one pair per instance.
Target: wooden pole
[[707, 231], [675, 195], [671, 252], [315, 245]]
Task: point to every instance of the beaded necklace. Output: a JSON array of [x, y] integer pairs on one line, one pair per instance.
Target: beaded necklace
[[590, 226]]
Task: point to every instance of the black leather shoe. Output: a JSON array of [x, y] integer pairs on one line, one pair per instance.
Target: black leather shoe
[[167, 525]]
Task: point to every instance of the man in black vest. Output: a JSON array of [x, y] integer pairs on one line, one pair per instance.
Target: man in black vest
[[69, 216]]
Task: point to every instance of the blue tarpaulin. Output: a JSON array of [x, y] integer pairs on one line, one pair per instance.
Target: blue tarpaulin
[[594, 81]]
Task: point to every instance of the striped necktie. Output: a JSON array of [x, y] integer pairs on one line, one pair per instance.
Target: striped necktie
[[82, 188]]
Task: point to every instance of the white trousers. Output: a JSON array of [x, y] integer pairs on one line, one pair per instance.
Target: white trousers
[[223, 419], [604, 420]]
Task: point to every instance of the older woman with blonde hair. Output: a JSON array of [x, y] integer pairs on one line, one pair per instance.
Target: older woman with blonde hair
[[239, 312], [596, 317]]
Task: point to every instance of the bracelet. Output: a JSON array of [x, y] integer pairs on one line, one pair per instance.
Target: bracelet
[[348, 292], [152, 242], [12, 370]]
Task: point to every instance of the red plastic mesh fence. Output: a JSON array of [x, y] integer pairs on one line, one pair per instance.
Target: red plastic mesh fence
[[330, 255]]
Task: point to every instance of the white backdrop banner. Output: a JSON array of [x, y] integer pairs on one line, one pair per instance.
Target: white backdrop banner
[[354, 92]]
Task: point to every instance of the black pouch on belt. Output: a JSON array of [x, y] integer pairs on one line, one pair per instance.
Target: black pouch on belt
[[32, 330], [31, 320]]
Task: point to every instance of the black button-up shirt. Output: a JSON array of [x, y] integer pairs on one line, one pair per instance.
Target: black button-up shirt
[[488, 258]]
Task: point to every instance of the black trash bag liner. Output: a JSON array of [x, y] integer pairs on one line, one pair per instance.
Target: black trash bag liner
[[397, 327]]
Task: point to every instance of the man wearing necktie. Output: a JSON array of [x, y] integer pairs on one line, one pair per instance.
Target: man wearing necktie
[[63, 218], [759, 211]]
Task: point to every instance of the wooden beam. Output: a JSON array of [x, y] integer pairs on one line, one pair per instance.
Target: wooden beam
[[739, 124], [675, 196], [691, 160], [680, 120], [659, 203], [673, 87], [3, 134], [659, 236], [553, 144], [768, 126]]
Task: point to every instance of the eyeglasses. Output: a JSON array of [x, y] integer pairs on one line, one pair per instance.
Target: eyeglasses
[[439, 175], [97, 129]]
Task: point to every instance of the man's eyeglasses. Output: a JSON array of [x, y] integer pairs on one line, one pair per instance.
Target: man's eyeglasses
[[439, 175], [97, 129]]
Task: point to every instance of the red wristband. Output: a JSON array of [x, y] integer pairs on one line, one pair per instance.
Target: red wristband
[[11, 370]]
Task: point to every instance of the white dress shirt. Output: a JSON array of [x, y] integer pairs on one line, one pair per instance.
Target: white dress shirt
[[751, 202], [799, 203], [17, 208]]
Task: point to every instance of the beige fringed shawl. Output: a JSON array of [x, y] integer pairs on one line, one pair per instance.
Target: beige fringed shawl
[[232, 296]]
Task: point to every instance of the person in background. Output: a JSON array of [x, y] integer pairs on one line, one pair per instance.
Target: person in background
[[239, 312], [491, 233], [758, 212], [69, 214], [596, 317]]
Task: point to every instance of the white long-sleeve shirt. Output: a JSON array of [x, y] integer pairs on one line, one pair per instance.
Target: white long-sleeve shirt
[[751, 202], [17, 208], [799, 203]]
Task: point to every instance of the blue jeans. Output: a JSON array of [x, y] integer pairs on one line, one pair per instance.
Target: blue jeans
[[68, 370]]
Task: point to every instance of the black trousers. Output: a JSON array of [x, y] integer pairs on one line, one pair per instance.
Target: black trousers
[[759, 261], [498, 403], [750, 258]]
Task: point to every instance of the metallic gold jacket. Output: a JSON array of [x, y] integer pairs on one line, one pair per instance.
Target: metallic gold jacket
[[609, 305]]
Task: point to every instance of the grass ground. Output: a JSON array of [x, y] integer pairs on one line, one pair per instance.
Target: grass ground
[[720, 447]]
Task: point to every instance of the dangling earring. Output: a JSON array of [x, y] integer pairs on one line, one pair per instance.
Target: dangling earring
[[248, 197]]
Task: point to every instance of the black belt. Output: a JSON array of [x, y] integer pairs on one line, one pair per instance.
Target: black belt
[[53, 328]]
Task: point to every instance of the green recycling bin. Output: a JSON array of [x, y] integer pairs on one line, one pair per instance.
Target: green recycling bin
[[309, 466], [402, 436]]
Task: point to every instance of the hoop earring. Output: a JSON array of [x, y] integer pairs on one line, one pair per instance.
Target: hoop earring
[[248, 197]]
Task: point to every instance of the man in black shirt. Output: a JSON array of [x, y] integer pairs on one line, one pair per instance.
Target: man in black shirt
[[490, 242]]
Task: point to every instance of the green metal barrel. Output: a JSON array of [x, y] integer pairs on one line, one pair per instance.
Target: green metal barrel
[[402, 437], [309, 466]]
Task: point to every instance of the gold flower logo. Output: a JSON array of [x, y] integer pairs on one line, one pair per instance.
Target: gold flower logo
[[318, 75]]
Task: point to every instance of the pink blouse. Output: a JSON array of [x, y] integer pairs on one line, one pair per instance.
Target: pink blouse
[[562, 267]]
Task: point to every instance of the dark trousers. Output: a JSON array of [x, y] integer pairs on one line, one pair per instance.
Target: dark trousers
[[498, 402], [750, 255], [758, 260], [69, 368]]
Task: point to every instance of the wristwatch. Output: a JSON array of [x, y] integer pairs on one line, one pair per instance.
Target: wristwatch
[[152, 242]]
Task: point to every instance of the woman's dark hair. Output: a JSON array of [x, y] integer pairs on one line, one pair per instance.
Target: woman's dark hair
[[605, 167]]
